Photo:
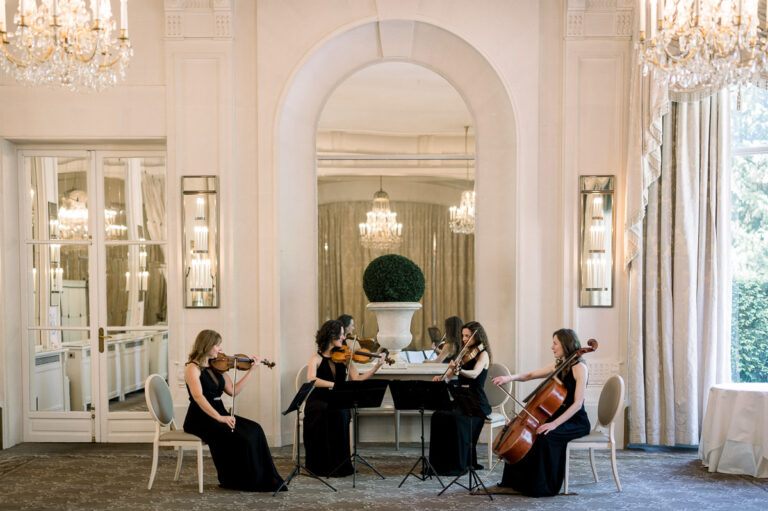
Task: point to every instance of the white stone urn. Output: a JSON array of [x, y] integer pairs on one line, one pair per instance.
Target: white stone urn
[[394, 320]]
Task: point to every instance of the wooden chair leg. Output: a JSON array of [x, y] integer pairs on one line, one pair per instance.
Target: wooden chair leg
[[592, 462], [200, 467], [154, 466], [179, 461], [614, 467], [567, 468]]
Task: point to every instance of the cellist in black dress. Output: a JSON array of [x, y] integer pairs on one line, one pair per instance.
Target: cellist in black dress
[[238, 446], [326, 431], [541, 471], [450, 430]]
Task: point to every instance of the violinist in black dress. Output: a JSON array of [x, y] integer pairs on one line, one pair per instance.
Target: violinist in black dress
[[238, 446], [542, 470], [326, 430], [450, 429]]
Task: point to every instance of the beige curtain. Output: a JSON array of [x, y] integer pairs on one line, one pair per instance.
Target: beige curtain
[[451, 291], [680, 293]]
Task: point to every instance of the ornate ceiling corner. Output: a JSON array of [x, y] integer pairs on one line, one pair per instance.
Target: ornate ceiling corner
[[575, 24], [198, 19], [599, 18]]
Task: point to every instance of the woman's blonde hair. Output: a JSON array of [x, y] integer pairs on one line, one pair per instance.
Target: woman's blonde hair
[[204, 342]]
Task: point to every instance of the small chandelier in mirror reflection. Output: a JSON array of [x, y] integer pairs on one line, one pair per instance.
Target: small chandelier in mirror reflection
[[704, 44], [462, 217], [381, 231], [64, 43]]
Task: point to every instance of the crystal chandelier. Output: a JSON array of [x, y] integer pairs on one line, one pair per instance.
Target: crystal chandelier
[[63, 43], [463, 217], [381, 230], [697, 44]]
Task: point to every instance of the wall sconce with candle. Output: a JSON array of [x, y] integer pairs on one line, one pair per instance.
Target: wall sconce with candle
[[200, 217], [596, 246]]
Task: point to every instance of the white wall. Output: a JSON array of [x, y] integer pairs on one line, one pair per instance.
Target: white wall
[[237, 91]]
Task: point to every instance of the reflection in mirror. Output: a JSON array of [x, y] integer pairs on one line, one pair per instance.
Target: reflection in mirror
[[60, 376], [131, 357], [406, 124], [58, 286], [134, 198], [59, 192], [136, 285]]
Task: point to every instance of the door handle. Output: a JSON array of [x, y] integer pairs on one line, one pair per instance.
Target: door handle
[[101, 339]]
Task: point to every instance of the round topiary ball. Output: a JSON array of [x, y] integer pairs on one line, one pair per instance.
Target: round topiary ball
[[393, 278]]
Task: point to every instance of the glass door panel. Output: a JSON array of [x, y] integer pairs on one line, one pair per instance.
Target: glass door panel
[[135, 308]]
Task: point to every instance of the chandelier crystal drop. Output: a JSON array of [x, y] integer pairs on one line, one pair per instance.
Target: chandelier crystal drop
[[64, 43], [462, 217], [381, 231], [701, 44]]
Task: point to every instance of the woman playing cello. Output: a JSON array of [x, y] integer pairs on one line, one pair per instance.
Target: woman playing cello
[[326, 431], [540, 473]]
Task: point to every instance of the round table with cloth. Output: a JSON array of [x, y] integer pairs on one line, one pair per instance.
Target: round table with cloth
[[734, 434]]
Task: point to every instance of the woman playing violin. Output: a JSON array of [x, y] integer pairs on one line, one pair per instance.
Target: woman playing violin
[[326, 431], [238, 446], [541, 471], [450, 430]]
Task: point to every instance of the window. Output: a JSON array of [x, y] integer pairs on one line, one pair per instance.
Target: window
[[749, 235]]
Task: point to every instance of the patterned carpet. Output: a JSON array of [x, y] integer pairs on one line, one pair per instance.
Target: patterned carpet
[[114, 476]]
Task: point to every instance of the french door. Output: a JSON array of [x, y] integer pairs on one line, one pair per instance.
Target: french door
[[94, 266]]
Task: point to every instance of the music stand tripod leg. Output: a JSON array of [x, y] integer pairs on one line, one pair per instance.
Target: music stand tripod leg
[[354, 457], [296, 472], [472, 475], [427, 470]]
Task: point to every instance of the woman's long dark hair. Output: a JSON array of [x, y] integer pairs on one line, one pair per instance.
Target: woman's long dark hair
[[327, 333], [453, 334], [569, 341], [479, 335]]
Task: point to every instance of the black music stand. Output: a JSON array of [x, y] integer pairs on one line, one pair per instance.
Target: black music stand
[[295, 405], [356, 395], [467, 405], [421, 395]]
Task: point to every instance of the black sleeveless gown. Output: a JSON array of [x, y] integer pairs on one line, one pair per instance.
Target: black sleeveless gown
[[242, 456], [449, 434], [326, 431], [541, 472]]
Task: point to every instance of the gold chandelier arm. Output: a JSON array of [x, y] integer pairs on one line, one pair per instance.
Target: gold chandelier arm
[[10, 56]]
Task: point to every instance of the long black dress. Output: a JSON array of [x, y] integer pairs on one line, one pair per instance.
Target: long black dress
[[326, 431], [450, 430], [540, 473], [242, 456]]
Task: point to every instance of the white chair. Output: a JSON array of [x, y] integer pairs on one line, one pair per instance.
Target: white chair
[[602, 436], [160, 405], [301, 378], [496, 398]]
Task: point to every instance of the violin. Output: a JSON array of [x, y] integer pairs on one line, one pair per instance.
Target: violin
[[223, 363], [517, 436], [343, 354], [467, 353]]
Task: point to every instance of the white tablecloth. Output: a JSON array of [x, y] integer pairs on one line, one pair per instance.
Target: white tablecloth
[[734, 434]]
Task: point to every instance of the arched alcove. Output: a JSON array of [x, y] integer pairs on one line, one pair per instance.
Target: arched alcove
[[497, 141]]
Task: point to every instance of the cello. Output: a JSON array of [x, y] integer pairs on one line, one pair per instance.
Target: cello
[[516, 438]]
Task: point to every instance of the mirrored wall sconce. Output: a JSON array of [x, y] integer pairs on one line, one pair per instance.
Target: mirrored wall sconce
[[596, 241], [200, 216]]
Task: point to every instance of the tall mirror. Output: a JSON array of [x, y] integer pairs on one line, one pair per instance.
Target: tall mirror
[[395, 136]]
